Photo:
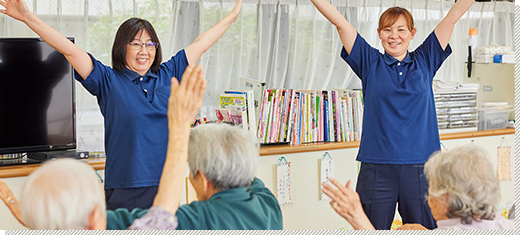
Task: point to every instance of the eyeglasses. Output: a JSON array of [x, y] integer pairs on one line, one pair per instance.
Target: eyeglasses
[[136, 45]]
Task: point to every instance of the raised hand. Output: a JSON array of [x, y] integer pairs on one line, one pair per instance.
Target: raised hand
[[236, 10], [347, 204], [15, 8], [186, 97]]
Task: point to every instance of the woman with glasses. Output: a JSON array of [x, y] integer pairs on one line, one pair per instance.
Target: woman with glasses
[[132, 96]]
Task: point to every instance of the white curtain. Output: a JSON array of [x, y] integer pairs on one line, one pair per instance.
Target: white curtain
[[285, 43]]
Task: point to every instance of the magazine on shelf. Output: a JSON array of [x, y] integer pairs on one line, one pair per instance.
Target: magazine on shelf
[[250, 108], [258, 88], [235, 102]]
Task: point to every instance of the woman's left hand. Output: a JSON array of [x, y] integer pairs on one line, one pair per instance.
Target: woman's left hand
[[10, 201]]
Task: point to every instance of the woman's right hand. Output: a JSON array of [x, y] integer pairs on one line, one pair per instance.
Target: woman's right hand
[[345, 201], [15, 8]]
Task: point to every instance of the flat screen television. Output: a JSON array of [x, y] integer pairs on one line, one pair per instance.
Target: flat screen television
[[37, 99]]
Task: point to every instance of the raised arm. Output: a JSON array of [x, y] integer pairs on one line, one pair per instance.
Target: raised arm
[[184, 103], [347, 33], [11, 202], [204, 41], [445, 27], [78, 58]]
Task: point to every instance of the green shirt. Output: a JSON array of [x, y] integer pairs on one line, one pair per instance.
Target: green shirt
[[237, 208]]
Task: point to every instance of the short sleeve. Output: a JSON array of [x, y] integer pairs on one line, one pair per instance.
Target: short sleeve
[[175, 66], [361, 57], [97, 81], [431, 52]]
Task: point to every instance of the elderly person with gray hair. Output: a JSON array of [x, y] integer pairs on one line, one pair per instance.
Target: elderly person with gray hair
[[222, 160], [463, 193]]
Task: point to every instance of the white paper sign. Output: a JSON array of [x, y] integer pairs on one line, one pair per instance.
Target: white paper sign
[[283, 182], [326, 172]]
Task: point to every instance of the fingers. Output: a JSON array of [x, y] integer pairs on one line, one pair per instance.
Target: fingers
[[343, 189], [195, 80], [334, 194]]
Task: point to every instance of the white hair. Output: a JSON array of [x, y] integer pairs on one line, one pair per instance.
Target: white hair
[[227, 155], [468, 178], [61, 194]]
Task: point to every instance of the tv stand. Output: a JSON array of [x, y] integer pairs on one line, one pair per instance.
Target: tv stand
[[46, 155]]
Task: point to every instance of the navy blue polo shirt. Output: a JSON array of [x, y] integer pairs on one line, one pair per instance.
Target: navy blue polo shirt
[[134, 108], [399, 118]]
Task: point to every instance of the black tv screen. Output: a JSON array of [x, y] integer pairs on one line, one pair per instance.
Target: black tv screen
[[37, 108]]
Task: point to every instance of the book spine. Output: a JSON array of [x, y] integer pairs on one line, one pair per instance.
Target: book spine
[[261, 132], [290, 122]]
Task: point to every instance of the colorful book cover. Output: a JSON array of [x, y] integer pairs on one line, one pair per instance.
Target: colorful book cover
[[326, 120], [223, 115], [290, 122], [250, 108], [285, 118], [262, 120], [235, 100], [331, 117]]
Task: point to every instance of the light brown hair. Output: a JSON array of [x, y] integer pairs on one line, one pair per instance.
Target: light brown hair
[[389, 17]]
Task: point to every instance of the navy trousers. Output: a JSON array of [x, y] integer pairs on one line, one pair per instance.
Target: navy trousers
[[130, 198], [382, 186]]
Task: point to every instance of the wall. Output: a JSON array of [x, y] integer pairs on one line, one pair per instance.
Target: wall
[[497, 78]]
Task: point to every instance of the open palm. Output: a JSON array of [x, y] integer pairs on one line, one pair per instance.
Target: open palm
[[14, 8]]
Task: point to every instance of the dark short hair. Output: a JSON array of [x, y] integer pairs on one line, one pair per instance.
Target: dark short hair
[[126, 34]]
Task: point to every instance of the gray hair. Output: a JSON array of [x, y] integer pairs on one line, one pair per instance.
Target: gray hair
[[468, 178], [61, 194], [227, 155]]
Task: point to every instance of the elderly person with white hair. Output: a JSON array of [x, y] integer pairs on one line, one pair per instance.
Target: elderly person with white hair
[[464, 193], [66, 194], [222, 160]]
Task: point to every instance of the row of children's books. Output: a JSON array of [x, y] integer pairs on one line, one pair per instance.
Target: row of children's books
[[293, 116], [304, 116]]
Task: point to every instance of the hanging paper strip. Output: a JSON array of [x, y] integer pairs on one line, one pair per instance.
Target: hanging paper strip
[[326, 172], [504, 163], [283, 182]]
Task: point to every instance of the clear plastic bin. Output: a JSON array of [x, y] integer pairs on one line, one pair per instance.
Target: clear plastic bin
[[493, 119]]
